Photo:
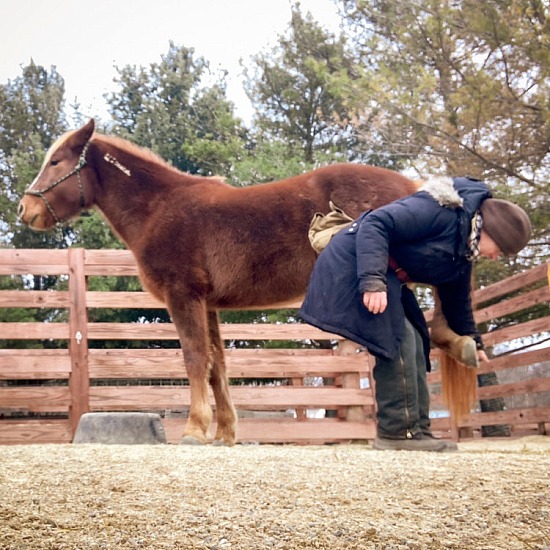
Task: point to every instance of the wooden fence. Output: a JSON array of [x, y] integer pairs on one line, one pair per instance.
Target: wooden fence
[[43, 392]]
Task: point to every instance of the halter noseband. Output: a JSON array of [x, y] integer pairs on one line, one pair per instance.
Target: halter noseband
[[76, 170]]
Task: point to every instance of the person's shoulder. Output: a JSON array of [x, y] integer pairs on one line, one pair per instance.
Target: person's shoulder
[[472, 191], [469, 182]]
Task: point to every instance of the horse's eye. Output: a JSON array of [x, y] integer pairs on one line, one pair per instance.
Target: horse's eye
[[54, 162]]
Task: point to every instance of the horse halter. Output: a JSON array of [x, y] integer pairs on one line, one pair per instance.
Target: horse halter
[[76, 170]]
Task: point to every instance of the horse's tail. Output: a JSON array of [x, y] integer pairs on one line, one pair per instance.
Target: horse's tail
[[458, 380], [458, 386]]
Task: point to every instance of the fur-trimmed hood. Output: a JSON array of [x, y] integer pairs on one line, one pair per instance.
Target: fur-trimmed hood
[[466, 193], [441, 188]]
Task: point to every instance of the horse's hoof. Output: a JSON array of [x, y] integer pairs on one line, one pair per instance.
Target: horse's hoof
[[469, 353], [222, 443], [190, 440]]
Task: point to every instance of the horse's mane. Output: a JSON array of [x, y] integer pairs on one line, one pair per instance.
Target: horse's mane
[[147, 155], [133, 149]]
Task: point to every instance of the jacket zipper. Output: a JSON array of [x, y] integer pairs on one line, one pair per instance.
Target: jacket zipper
[[406, 387]]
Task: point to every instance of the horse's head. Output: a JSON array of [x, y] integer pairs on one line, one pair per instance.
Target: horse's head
[[63, 187]]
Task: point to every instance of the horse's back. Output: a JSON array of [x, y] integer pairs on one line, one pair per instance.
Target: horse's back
[[352, 187], [358, 187]]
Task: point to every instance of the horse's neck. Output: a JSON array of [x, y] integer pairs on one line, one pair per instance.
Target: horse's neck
[[128, 191]]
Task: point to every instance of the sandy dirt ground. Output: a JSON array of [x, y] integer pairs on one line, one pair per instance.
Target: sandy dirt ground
[[489, 495]]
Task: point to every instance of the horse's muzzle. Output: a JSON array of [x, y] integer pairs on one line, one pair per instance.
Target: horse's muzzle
[[32, 213]]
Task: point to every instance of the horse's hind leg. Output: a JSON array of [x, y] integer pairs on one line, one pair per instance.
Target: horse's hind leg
[[225, 412], [461, 348], [189, 316]]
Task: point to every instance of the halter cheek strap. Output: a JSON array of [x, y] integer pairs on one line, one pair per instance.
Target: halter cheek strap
[[76, 170]]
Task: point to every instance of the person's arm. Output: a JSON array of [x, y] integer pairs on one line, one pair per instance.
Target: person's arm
[[413, 219], [456, 305]]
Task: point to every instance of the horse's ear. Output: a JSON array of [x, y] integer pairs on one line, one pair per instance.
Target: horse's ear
[[82, 136]]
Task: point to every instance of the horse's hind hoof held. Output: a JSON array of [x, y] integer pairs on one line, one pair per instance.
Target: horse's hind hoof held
[[469, 353], [190, 440]]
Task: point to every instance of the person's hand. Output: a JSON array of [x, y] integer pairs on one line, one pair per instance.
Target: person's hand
[[375, 302], [482, 356]]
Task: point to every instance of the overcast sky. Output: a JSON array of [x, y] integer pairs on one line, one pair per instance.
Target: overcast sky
[[86, 40]]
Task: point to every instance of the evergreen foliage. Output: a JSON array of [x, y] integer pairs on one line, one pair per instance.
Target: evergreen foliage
[[460, 88], [430, 86]]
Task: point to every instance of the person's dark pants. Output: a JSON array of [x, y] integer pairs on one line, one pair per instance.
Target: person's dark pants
[[402, 394]]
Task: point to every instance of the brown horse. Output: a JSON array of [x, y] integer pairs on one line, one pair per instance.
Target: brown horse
[[202, 245]]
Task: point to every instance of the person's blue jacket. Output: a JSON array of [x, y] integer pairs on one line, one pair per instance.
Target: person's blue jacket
[[426, 234]]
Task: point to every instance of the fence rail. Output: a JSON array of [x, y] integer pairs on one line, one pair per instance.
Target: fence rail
[[43, 392]]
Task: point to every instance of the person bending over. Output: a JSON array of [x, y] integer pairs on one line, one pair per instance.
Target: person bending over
[[357, 290]]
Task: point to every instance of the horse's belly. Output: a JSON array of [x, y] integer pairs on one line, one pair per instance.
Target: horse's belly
[[293, 303], [279, 286]]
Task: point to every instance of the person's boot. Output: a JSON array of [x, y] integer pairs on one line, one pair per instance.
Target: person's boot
[[417, 443], [451, 445]]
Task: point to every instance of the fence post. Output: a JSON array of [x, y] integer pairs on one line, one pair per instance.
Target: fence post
[[354, 413], [79, 380], [300, 411]]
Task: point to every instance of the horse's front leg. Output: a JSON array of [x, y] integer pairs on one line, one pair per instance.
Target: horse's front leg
[[189, 317], [225, 412], [461, 348]]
